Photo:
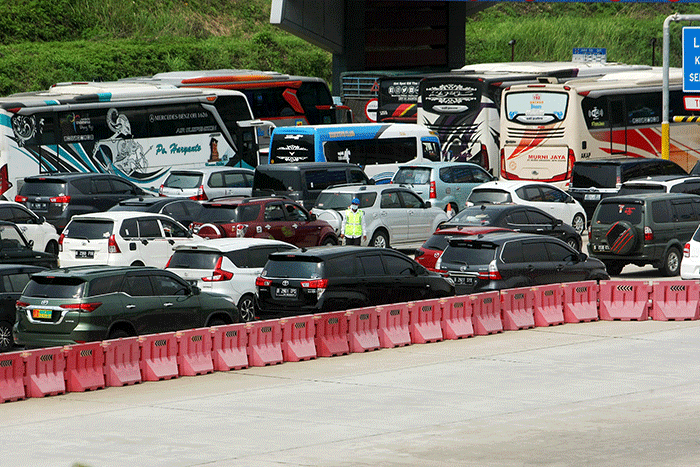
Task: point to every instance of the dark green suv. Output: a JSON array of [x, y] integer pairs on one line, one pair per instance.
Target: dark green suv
[[643, 229], [93, 303]]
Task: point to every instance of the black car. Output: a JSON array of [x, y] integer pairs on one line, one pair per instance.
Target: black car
[[15, 249], [60, 196], [183, 210], [505, 260], [517, 217], [343, 277], [13, 278]]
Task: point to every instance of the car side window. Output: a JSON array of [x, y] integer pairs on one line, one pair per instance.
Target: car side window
[[660, 213], [295, 213], [216, 180], [257, 257], [237, 180], [357, 176], [22, 216], [176, 210], [512, 253], [683, 211], [149, 228], [343, 266], [538, 218], [371, 265], [410, 200], [83, 185], [122, 188], [517, 218], [166, 285], [102, 186], [552, 195], [536, 252], [171, 229], [15, 282], [390, 199], [6, 214], [137, 286], [274, 212], [104, 285], [559, 252], [396, 266], [529, 193], [129, 229]]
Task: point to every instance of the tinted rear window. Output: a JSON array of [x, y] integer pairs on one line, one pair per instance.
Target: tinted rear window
[[322, 179], [635, 189], [436, 242], [294, 268], [490, 196], [183, 180], [91, 230], [413, 175], [609, 213], [192, 259], [594, 175], [42, 188], [284, 180], [55, 287], [471, 253], [225, 214]]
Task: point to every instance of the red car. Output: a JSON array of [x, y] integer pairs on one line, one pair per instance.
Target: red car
[[264, 217], [428, 254]]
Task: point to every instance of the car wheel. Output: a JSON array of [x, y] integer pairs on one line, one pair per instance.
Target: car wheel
[[328, 241], [573, 243], [5, 336], [137, 263], [379, 240], [118, 334], [52, 247], [614, 268], [246, 307], [672, 262], [578, 224], [622, 237]]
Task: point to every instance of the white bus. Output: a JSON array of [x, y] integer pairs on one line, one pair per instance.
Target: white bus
[[137, 131], [378, 148], [463, 106], [547, 127]]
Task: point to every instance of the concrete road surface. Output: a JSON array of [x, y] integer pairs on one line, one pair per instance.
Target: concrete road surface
[[591, 394]]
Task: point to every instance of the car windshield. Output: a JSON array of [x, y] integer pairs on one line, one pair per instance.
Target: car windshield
[[488, 195], [341, 201], [294, 268], [194, 259], [474, 216], [89, 229], [413, 175], [10, 238], [54, 287], [43, 188], [183, 180], [610, 212], [594, 175], [637, 188], [469, 253], [222, 214]]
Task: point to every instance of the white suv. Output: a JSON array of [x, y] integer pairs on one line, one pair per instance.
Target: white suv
[[208, 182], [35, 228], [121, 238], [393, 214], [226, 265]]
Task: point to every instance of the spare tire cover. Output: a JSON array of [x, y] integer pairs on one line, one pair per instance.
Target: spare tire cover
[[210, 231], [622, 238]]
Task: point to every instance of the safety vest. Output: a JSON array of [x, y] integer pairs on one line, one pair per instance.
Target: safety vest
[[353, 223]]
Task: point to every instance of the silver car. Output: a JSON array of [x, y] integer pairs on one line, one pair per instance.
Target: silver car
[[208, 183]]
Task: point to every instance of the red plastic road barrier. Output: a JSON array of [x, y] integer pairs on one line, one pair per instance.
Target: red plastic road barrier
[[393, 325], [229, 347], [486, 307], [84, 367], [517, 309], [580, 301], [457, 317], [332, 334], [12, 377], [363, 329], [122, 361], [425, 318], [623, 300], [44, 372], [675, 300], [298, 338], [549, 309], [194, 352], [159, 356], [264, 342]]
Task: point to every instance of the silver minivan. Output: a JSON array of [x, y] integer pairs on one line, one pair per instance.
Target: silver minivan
[[208, 182], [442, 183]]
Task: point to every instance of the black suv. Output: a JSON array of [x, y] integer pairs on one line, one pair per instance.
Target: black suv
[[13, 278], [517, 217], [505, 260], [343, 277], [15, 249], [60, 196], [644, 229], [303, 182], [593, 180]]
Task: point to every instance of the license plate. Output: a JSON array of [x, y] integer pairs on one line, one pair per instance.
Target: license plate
[[286, 292], [464, 280], [40, 206], [601, 247], [592, 197], [41, 314], [84, 254]]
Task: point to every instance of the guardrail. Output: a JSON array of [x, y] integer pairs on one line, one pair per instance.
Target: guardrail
[[155, 357]]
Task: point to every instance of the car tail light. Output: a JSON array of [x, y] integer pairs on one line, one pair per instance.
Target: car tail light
[[485, 157], [60, 242], [19, 304], [82, 307], [433, 191], [4, 180], [112, 246], [493, 274], [20, 199], [315, 285], [648, 234], [160, 191], [686, 250], [201, 195], [503, 164], [570, 166], [260, 282], [219, 274]]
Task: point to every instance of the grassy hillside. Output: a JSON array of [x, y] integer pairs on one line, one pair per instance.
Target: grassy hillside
[[49, 41]]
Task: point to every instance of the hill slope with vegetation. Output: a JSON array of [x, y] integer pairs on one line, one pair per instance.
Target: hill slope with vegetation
[[49, 41]]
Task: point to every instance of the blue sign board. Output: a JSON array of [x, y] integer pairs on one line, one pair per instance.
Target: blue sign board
[[691, 59]]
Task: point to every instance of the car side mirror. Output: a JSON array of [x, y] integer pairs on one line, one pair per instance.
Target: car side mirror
[[31, 244], [428, 204], [558, 222], [582, 257], [196, 290], [312, 216]]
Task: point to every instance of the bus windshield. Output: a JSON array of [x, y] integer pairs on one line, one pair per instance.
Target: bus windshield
[[536, 107]]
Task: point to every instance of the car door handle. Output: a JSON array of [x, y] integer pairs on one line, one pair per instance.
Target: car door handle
[[167, 304], [530, 267], [172, 242], [560, 267], [130, 306], [145, 242]]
